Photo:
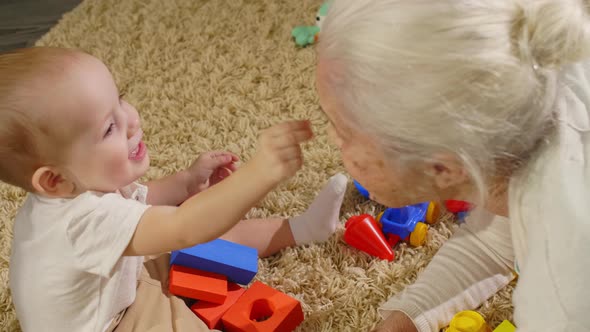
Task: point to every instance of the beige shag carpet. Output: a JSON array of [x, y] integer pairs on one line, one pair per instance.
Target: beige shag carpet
[[209, 75]]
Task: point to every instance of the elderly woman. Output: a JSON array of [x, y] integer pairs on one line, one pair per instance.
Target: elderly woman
[[479, 100]]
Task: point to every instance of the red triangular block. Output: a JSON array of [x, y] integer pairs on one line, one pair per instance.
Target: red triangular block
[[363, 233]]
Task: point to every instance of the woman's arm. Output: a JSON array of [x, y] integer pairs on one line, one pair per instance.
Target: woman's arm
[[469, 268]]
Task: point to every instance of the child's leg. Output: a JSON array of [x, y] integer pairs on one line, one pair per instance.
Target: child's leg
[[154, 309], [267, 235], [316, 224]]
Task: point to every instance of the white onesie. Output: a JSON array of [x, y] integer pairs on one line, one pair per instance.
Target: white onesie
[[66, 268]]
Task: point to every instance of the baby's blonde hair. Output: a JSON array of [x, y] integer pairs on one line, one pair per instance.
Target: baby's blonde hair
[[26, 138], [475, 78]]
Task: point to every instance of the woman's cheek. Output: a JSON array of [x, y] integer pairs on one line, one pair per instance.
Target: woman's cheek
[[359, 165]]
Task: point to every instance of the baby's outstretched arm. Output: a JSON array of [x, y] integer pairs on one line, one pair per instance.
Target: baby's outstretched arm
[[209, 169], [213, 212]]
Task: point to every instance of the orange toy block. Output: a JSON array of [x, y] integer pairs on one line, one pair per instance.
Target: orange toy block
[[197, 284], [211, 313], [263, 309]]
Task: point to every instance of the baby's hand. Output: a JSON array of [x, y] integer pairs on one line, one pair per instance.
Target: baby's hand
[[279, 154], [209, 169]]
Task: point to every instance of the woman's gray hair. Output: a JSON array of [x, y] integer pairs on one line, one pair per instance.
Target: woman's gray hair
[[475, 78]]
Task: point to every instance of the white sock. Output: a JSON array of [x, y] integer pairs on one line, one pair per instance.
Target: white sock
[[320, 220]]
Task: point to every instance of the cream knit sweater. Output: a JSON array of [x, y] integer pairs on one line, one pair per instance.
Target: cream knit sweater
[[547, 237]]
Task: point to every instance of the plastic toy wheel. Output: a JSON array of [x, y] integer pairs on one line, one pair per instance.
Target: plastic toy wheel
[[379, 217], [418, 236], [432, 213]]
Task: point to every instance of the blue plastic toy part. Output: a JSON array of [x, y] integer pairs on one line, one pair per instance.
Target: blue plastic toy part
[[461, 216], [239, 263], [361, 190], [402, 221]]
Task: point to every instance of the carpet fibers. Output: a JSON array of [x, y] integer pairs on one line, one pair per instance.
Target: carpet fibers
[[209, 75]]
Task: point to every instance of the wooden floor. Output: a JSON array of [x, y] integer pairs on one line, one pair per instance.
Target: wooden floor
[[22, 22]]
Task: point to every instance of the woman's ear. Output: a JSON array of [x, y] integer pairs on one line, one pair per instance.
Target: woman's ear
[[447, 171], [50, 181]]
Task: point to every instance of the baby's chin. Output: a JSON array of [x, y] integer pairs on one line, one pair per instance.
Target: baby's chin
[[143, 168], [139, 170]]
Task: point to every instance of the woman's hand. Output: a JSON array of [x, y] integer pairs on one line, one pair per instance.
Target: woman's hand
[[397, 321]]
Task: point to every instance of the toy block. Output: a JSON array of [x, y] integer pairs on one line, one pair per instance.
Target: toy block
[[263, 309], [505, 326], [199, 285], [239, 263], [211, 313], [362, 232]]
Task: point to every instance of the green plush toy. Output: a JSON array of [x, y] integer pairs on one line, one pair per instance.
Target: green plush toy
[[307, 35]]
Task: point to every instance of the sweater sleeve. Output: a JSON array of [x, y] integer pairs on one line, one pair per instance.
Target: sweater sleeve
[[469, 268]]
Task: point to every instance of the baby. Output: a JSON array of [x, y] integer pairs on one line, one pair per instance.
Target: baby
[[80, 238]]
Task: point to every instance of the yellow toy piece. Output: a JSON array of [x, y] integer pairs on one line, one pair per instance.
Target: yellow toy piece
[[379, 218], [468, 321], [506, 326], [418, 236], [432, 213]]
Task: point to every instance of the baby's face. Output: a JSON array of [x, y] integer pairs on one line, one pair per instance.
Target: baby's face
[[107, 150]]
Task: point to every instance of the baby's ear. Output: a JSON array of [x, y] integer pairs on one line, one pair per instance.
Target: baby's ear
[[50, 181]]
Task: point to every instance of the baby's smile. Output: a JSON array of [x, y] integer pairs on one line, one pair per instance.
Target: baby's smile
[[137, 148]]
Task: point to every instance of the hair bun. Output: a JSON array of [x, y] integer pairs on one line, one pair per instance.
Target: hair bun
[[552, 33]]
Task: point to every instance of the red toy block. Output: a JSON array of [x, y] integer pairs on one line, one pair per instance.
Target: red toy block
[[197, 284], [263, 309], [211, 313], [363, 233]]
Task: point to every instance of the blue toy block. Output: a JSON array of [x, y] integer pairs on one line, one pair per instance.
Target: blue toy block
[[361, 189], [402, 221], [237, 262]]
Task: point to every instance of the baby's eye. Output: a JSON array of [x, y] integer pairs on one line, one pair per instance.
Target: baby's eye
[[109, 130]]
